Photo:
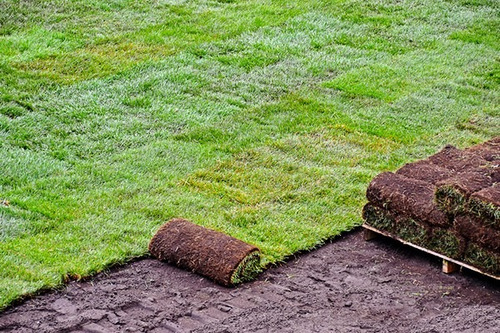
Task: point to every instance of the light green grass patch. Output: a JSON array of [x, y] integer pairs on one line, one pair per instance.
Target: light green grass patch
[[265, 120]]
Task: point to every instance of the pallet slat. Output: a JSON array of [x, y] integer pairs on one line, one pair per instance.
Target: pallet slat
[[449, 264]]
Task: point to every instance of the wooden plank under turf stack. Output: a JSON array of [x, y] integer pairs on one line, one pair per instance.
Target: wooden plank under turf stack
[[448, 204]]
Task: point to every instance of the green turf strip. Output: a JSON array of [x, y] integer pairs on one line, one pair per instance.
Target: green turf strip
[[262, 119], [485, 260], [443, 241], [248, 269], [450, 200], [487, 211]]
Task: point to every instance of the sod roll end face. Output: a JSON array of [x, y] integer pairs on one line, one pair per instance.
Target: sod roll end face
[[224, 259], [486, 204]]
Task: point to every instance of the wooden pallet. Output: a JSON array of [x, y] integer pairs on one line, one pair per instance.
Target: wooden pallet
[[449, 265]]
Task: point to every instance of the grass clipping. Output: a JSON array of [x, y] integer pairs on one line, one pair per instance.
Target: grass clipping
[[224, 259]]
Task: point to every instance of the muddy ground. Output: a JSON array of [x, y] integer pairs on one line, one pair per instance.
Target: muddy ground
[[348, 285]]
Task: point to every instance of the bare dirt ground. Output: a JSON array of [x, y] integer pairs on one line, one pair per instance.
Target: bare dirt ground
[[348, 285]]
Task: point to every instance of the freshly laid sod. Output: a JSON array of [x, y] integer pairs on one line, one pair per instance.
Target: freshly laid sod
[[262, 119]]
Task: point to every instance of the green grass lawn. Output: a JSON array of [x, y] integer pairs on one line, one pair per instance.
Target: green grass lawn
[[262, 119]]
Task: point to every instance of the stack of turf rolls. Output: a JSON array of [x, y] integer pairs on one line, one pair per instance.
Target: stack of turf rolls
[[448, 203]]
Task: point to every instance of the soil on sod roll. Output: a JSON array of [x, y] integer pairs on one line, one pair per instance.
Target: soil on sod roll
[[486, 204], [457, 160], [405, 196], [222, 258], [489, 150], [426, 171], [473, 228], [472, 181]]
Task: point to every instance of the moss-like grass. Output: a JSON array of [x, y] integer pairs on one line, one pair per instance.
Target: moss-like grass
[[489, 213], [248, 269], [440, 240], [454, 202], [482, 259], [450, 200], [405, 228], [376, 218], [262, 119], [414, 232], [446, 242]]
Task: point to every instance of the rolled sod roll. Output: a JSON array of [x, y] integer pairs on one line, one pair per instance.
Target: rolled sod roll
[[474, 229], [426, 171], [441, 240], [224, 259], [379, 218], [401, 226], [409, 197], [457, 160], [489, 150], [486, 204], [482, 258], [452, 193], [447, 242]]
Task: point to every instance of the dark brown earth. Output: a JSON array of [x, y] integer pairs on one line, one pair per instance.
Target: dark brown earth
[[348, 285], [466, 183], [201, 250], [489, 195], [489, 150]]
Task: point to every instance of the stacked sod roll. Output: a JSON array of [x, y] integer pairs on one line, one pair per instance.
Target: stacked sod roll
[[448, 203]]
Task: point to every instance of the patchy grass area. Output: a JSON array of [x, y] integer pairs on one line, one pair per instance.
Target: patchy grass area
[[263, 119]]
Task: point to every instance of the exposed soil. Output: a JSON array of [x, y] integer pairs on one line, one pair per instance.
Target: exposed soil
[[466, 183], [457, 160], [490, 150], [489, 195], [348, 285]]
